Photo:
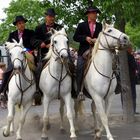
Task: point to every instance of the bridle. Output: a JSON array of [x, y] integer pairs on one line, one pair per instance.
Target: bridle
[[55, 51], [60, 60], [22, 73], [116, 48]]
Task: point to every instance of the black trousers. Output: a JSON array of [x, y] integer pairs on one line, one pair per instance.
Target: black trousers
[[79, 73]]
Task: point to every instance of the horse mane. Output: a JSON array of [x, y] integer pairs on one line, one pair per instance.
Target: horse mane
[[96, 46], [49, 53]]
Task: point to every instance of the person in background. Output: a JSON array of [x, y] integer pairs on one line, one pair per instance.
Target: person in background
[[86, 34], [3, 99], [132, 73], [26, 35]]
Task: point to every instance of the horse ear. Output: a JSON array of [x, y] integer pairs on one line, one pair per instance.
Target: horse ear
[[21, 42], [6, 45], [104, 25], [14, 40], [63, 31], [53, 31]]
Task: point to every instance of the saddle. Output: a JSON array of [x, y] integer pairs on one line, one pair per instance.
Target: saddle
[[30, 61]]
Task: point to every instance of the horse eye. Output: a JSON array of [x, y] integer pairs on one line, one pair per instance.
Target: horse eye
[[67, 41], [55, 41], [109, 31]]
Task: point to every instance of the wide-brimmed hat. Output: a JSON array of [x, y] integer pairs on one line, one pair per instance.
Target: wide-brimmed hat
[[50, 12], [19, 18], [92, 9]]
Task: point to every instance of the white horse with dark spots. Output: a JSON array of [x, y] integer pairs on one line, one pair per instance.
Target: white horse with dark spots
[[100, 80], [55, 82], [21, 87]]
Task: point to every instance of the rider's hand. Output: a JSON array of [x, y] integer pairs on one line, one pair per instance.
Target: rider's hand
[[93, 40], [43, 45], [90, 40]]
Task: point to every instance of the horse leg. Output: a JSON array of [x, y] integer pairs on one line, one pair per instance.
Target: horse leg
[[62, 103], [107, 109], [96, 123], [76, 104], [46, 102], [11, 113], [100, 108], [68, 101], [78, 107], [24, 111], [12, 127]]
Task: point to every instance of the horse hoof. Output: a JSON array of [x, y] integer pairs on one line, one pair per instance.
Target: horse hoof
[[75, 138], [19, 139], [5, 135], [12, 133], [97, 138], [48, 126], [43, 138], [62, 131]]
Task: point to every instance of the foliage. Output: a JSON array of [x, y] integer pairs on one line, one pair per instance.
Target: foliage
[[70, 12], [134, 33], [33, 10]]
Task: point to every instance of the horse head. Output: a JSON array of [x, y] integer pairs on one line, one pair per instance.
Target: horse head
[[16, 52], [59, 42], [114, 39]]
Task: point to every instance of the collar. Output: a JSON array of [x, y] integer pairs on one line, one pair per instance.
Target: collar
[[52, 25], [89, 21]]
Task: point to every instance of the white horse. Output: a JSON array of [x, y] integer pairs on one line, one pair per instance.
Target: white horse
[[100, 81], [21, 87], [55, 81]]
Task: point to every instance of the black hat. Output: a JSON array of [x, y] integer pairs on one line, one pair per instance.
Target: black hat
[[19, 18], [50, 12], [92, 9]]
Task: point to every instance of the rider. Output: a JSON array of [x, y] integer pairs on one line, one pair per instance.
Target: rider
[[26, 35], [42, 39], [86, 34]]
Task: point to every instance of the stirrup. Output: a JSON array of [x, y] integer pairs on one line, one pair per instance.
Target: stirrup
[[81, 96]]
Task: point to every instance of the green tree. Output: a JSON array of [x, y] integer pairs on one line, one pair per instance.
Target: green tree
[[33, 10]]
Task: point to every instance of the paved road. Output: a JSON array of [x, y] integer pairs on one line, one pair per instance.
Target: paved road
[[33, 124]]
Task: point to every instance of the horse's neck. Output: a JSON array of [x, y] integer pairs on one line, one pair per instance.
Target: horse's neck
[[56, 66], [103, 61]]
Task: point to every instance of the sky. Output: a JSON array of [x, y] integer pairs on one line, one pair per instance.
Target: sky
[[3, 4]]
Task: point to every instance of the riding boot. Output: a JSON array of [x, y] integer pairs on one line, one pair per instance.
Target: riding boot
[[79, 74], [38, 93], [118, 87]]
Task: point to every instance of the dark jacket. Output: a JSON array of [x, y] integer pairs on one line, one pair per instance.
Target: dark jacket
[[82, 32], [42, 36], [132, 67], [27, 37]]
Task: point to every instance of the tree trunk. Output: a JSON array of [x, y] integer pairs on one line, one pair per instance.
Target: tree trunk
[[128, 112]]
